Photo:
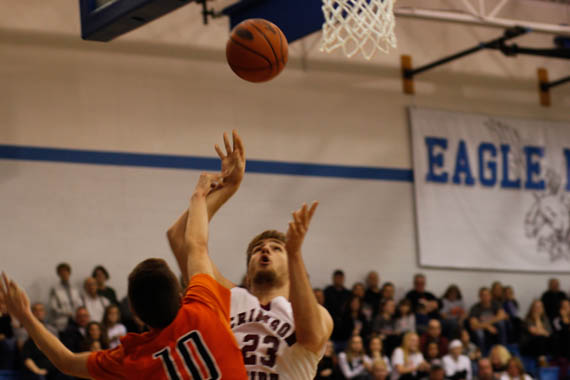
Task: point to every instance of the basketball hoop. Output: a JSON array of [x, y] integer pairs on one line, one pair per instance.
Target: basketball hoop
[[358, 26]]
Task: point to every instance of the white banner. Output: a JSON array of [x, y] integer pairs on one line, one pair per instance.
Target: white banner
[[491, 192]]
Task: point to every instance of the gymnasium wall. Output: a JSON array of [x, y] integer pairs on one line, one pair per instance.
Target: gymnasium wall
[[150, 98]]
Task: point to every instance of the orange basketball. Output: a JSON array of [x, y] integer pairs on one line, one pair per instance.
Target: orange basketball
[[257, 50]]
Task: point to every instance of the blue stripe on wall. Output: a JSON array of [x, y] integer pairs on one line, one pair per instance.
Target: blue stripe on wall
[[26, 153]]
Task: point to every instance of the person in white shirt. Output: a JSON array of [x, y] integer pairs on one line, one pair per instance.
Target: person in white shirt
[[515, 371], [64, 298], [456, 365], [277, 322], [94, 303], [376, 352], [115, 329], [353, 362], [407, 360]]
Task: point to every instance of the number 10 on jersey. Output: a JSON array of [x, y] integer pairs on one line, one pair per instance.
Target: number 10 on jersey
[[190, 358]]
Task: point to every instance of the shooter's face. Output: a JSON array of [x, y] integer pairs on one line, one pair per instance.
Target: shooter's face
[[268, 263]]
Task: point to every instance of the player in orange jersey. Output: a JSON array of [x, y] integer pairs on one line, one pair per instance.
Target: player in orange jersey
[[189, 338]]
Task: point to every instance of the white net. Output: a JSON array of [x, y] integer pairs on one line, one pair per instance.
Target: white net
[[364, 26]]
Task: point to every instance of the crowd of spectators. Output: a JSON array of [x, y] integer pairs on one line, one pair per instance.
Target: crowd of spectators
[[87, 319], [375, 336], [422, 336]]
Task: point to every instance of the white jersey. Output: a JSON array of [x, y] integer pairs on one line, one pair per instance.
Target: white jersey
[[266, 336]]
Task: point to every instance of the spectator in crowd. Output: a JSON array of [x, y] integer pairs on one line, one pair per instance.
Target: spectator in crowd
[[328, 366], [436, 372], [485, 370], [336, 296], [376, 353], [353, 322], [551, 298], [94, 303], [536, 337], [431, 354], [64, 298], [358, 290], [405, 318], [452, 311], [497, 292], [510, 304], [407, 360], [515, 371], [320, 296], [457, 366], [95, 338], [424, 303], [76, 332], [112, 324], [353, 362], [561, 326], [379, 370], [8, 349], [499, 357], [101, 275], [469, 348], [433, 335], [388, 291], [384, 325], [487, 321], [373, 294], [36, 364]]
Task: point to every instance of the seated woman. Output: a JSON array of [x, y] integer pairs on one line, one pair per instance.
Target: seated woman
[[536, 340], [95, 339], [384, 325], [353, 320], [453, 311], [353, 362], [407, 360], [111, 322], [405, 317], [379, 370], [457, 366], [376, 353], [515, 371], [499, 356], [328, 368], [561, 326]]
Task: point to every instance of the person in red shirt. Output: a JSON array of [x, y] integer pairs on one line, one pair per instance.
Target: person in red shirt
[[189, 338]]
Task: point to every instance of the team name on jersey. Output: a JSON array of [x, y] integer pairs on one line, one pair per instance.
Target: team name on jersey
[[257, 315], [256, 375]]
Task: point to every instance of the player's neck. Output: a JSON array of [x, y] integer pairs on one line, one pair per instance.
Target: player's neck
[[266, 294]]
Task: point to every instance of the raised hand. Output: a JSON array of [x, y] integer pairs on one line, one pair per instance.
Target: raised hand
[[233, 161], [14, 299], [298, 227], [207, 182]]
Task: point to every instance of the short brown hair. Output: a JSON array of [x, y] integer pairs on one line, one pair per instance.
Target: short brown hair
[[269, 234], [154, 293]]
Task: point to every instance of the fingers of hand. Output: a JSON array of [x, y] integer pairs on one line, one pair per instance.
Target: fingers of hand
[[313, 209], [219, 151], [227, 144], [238, 144]]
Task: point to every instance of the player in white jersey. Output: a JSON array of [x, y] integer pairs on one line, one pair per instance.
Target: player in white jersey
[[278, 324]]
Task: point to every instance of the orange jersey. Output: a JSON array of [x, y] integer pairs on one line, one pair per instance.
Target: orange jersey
[[198, 344]]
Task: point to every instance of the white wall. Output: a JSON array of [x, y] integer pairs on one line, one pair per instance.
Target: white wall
[[142, 97]]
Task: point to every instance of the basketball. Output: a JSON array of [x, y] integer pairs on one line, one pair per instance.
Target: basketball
[[257, 50]]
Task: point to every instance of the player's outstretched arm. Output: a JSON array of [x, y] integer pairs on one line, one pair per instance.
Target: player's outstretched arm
[[233, 169], [195, 249], [313, 322], [18, 305]]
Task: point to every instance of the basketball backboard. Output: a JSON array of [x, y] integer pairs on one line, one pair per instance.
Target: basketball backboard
[[103, 20]]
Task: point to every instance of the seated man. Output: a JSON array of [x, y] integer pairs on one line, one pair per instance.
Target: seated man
[[189, 337], [433, 335], [487, 321]]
